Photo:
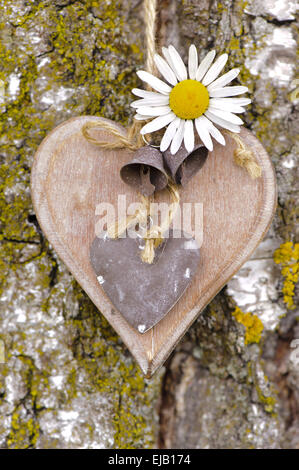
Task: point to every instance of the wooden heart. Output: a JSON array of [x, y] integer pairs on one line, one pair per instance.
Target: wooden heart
[[143, 293], [70, 177]]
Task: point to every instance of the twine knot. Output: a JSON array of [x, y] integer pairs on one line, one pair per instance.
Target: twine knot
[[245, 158], [154, 235]]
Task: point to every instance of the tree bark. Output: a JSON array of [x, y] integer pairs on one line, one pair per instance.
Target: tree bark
[[66, 379]]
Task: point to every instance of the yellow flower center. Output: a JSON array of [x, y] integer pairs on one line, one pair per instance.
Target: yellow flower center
[[189, 99]]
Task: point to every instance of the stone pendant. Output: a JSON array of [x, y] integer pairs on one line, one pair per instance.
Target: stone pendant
[[143, 293]]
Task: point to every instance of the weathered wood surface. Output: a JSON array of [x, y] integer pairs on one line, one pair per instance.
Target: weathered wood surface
[[71, 176]]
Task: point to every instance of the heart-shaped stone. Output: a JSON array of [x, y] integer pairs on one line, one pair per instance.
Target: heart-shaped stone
[[71, 177], [143, 293]]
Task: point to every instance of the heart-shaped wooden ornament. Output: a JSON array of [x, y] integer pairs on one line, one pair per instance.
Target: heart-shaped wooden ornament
[[71, 176]]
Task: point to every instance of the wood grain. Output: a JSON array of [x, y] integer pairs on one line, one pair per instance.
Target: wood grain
[[71, 176]]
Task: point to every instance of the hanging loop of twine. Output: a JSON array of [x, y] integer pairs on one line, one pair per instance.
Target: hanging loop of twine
[[129, 140]]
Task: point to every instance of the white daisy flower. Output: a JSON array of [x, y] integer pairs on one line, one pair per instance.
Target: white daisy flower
[[193, 97]]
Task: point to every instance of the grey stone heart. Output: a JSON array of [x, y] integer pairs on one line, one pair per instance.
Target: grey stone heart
[[143, 293]]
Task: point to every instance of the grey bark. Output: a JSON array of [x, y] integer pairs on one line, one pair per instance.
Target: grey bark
[[67, 380]]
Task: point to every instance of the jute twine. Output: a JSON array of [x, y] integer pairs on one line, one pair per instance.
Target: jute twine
[[133, 140], [153, 235], [244, 157]]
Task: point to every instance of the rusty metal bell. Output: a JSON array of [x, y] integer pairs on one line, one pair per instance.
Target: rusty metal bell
[[146, 171], [184, 165]]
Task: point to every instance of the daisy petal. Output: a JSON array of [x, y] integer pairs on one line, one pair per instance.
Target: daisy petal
[[215, 70], [161, 100], [189, 135], [220, 103], [192, 62], [146, 94], [227, 103], [141, 117], [165, 70], [154, 111], [226, 116], [178, 64], [228, 91], [169, 134], [166, 54], [203, 132], [225, 79], [237, 101], [204, 65], [139, 92], [178, 138], [221, 122], [154, 82], [157, 123], [213, 130]]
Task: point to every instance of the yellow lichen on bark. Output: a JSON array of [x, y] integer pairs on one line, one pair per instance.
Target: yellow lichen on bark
[[287, 255], [252, 323]]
